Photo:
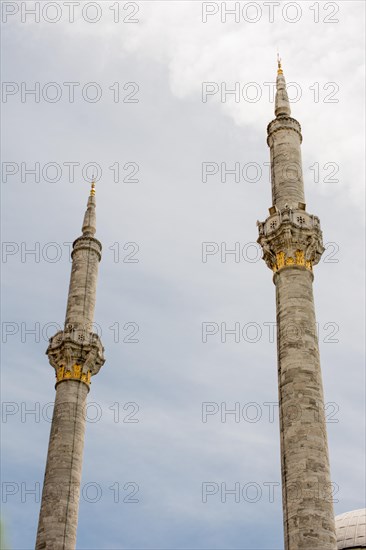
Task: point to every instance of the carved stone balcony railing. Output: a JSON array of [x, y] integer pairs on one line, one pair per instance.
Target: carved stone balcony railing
[[290, 237], [75, 354]]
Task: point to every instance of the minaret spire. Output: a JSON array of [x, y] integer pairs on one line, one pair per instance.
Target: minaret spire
[[279, 64], [76, 353], [90, 221], [282, 104], [291, 240]]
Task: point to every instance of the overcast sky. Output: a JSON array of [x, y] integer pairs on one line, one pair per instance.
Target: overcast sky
[[137, 105]]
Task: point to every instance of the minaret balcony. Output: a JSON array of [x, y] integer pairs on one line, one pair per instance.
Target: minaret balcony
[[283, 123], [290, 237], [88, 244], [75, 353]]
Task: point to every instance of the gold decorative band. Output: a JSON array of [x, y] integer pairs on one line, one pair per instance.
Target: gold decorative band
[[74, 374], [282, 261]]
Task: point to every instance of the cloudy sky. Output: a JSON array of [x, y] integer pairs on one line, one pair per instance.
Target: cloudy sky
[[139, 94]]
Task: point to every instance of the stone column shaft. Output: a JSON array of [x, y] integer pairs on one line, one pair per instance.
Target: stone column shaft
[[284, 141], [61, 489], [83, 283], [307, 492]]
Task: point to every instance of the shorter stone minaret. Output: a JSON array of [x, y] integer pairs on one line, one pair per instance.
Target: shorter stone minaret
[[291, 240], [76, 353]]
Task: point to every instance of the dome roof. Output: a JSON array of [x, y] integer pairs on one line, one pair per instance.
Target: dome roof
[[351, 529]]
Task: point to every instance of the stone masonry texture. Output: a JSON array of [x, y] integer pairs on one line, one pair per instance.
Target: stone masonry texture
[[307, 491], [61, 490]]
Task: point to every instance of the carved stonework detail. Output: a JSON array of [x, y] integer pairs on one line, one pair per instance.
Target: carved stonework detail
[[87, 244], [76, 373], [280, 123], [75, 354], [290, 237]]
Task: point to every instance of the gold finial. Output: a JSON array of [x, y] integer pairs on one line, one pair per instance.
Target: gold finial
[[92, 190], [279, 63]]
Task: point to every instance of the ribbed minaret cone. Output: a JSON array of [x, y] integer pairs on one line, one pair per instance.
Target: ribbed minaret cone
[[282, 104], [90, 220], [76, 353], [291, 240]]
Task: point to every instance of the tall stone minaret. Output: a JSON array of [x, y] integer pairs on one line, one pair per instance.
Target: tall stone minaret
[[76, 353], [291, 240]]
